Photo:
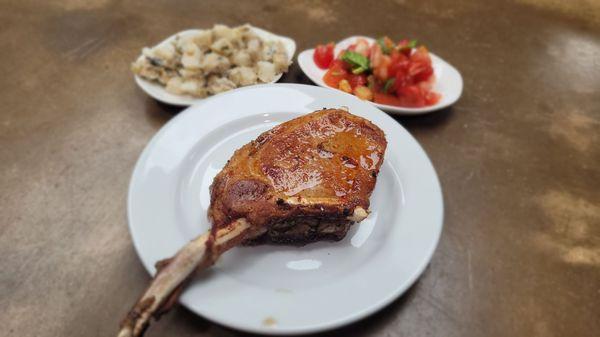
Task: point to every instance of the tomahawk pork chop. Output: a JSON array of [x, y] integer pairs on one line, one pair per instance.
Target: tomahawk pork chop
[[304, 180]]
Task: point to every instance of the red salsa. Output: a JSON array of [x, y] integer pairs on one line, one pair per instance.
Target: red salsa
[[384, 72]]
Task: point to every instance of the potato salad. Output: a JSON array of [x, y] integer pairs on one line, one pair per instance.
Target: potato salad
[[211, 61]]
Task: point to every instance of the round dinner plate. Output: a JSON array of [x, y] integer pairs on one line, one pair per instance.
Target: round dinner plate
[[448, 81], [275, 289]]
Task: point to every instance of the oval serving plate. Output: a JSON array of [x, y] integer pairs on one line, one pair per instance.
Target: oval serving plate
[[274, 289], [159, 92], [448, 80]]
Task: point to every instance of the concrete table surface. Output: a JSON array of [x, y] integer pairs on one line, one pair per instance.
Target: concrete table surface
[[518, 158]]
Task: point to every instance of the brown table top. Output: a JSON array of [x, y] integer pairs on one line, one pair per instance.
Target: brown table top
[[518, 158]]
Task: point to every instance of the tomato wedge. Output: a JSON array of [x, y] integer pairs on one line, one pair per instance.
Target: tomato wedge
[[334, 75], [386, 99], [399, 62], [411, 96], [357, 80], [323, 55]]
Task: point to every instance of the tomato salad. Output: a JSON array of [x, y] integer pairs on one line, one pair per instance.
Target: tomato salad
[[384, 72]]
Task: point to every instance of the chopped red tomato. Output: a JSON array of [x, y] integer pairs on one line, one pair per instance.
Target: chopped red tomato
[[332, 78], [402, 78], [416, 97], [423, 75], [358, 80], [336, 73], [339, 64], [386, 99], [427, 85], [420, 65], [399, 62], [323, 55], [406, 46], [411, 96], [432, 98], [393, 74], [421, 55]]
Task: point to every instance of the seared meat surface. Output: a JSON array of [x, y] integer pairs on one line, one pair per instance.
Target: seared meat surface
[[305, 180], [302, 180]]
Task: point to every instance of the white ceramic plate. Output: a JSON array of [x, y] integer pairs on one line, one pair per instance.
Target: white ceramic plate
[[159, 92], [282, 289], [449, 82]]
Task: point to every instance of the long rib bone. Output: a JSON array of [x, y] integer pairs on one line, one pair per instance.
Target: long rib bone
[[173, 273]]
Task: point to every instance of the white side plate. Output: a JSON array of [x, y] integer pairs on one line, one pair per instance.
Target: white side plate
[[448, 83], [281, 289], [159, 92]]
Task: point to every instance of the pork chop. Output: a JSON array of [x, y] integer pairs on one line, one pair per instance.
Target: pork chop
[[304, 180], [307, 179]]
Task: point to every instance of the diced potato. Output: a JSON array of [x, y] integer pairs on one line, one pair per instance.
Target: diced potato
[[192, 73], [281, 62], [266, 71], [164, 75], [218, 84], [193, 87], [268, 51], [210, 61], [191, 56], [254, 48], [165, 51], [174, 86], [241, 58], [222, 31], [222, 46], [242, 76], [363, 92], [139, 64], [344, 86], [203, 39], [214, 63]]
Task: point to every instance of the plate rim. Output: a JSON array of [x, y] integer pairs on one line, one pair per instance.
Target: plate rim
[[317, 327], [307, 54]]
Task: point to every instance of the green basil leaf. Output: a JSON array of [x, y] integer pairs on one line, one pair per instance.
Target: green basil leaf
[[358, 70], [388, 84], [356, 60]]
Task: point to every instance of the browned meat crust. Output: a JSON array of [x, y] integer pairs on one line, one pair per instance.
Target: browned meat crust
[[316, 168]]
